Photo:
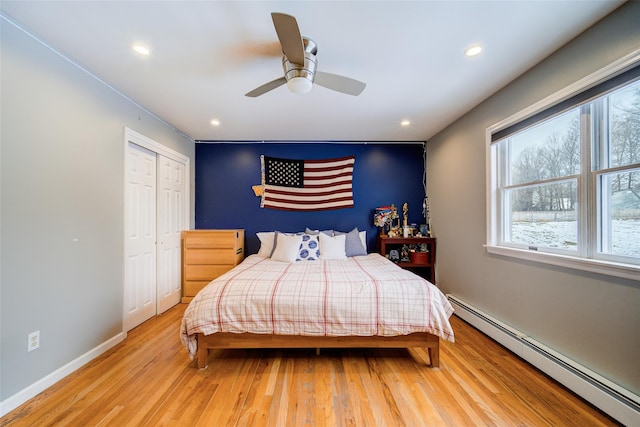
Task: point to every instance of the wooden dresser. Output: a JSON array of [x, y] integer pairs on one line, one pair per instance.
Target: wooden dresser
[[207, 254]]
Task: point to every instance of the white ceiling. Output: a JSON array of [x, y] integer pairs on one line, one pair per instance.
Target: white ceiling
[[205, 55]]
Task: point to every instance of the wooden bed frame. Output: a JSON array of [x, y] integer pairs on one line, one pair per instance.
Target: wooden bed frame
[[229, 340]]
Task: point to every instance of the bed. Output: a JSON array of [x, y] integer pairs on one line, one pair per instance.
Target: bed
[[331, 302]]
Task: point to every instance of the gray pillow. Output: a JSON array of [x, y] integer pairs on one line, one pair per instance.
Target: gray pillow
[[316, 232], [353, 244]]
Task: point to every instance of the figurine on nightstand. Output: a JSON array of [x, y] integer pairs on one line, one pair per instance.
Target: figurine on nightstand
[[405, 224], [405, 212], [405, 254], [394, 230]]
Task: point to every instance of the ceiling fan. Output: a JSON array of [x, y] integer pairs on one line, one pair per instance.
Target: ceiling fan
[[299, 63]]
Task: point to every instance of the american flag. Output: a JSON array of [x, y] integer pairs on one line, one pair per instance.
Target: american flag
[[307, 185]]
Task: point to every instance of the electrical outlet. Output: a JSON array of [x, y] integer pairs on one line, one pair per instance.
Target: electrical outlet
[[33, 341]]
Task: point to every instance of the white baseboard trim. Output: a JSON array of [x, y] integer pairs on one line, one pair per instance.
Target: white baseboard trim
[[617, 402], [42, 384]]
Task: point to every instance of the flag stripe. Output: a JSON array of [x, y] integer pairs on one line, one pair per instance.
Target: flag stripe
[[325, 184], [345, 176], [347, 160], [346, 200], [316, 207], [292, 191], [333, 195]]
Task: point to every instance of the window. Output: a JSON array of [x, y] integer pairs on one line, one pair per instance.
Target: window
[[564, 180]]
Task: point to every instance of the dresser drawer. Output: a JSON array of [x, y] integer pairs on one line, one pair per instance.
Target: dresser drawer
[[192, 287], [210, 256], [205, 272], [212, 239]]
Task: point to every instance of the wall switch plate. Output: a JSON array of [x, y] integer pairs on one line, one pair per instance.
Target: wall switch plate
[[33, 341]]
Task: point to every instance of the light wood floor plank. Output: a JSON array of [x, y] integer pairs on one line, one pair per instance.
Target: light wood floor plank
[[148, 380]]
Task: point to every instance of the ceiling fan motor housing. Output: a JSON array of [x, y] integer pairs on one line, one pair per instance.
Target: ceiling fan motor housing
[[306, 70]]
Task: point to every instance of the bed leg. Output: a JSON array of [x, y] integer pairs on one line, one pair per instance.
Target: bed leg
[[202, 355], [434, 350], [317, 351], [434, 356]]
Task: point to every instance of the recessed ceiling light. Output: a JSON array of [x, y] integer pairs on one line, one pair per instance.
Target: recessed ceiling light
[[473, 51], [405, 123], [215, 122], [140, 49]]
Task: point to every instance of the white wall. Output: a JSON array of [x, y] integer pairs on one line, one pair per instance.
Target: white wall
[[591, 318], [62, 170]]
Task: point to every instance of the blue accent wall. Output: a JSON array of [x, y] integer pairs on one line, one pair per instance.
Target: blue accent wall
[[383, 174]]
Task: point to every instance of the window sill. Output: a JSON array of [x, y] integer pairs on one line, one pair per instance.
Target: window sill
[[624, 271]]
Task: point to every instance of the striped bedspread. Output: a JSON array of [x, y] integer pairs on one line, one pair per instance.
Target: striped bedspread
[[360, 296]]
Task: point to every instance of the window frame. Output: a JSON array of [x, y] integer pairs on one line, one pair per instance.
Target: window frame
[[586, 258]]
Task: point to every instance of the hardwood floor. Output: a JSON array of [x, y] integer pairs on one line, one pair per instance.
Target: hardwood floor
[[147, 380]]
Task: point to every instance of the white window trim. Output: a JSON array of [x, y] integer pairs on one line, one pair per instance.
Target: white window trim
[[625, 271]]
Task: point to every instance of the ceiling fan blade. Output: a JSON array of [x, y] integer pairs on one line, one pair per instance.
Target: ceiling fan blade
[[289, 36], [260, 90], [339, 83], [252, 50]]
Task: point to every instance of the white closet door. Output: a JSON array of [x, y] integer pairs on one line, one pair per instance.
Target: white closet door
[[140, 236], [171, 217]]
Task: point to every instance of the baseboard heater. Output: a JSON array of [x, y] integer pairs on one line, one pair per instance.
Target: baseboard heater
[[616, 401]]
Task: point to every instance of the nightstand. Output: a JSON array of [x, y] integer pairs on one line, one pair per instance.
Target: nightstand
[[425, 266]]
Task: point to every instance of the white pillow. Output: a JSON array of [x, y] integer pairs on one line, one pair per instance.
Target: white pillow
[[267, 239], [363, 239], [287, 247], [332, 247]]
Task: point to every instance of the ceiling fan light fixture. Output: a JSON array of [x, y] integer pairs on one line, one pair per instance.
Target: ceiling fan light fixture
[[299, 85]]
